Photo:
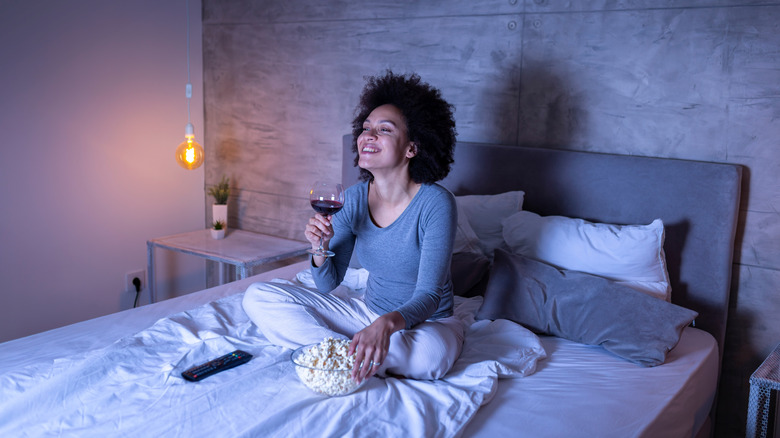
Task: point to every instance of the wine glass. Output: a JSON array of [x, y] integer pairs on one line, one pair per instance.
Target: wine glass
[[326, 198]]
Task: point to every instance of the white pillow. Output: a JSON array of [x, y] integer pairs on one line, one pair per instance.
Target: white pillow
[[485, 212], [629, 254], [465, 239]]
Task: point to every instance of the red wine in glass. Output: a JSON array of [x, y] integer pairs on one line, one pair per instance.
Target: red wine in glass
[[326, 207], [326, 198]]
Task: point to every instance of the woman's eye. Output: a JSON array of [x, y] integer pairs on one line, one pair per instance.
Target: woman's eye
[[383, 130]]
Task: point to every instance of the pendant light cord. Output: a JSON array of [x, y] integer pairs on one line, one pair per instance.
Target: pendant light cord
[[189, 85]]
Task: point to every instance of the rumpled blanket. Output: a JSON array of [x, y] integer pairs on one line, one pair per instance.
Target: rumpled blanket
[[134, 387]]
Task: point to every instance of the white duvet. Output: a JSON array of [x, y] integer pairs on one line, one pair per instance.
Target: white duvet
[[134, 387]]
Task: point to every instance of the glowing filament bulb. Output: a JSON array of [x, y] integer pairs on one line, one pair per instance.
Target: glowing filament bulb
[[189, 154]]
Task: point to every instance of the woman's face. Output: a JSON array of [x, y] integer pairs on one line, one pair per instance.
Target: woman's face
[[384, 143]]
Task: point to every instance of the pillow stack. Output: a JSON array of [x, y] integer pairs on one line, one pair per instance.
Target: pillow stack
[[598, 284]]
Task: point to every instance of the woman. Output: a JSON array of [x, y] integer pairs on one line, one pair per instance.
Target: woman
[[400, 225]]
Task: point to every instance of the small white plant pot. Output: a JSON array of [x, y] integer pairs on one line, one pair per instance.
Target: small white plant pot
[[219, 212], [218, 234]]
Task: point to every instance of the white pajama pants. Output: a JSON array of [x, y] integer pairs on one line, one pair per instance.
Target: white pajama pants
[[292, 316]]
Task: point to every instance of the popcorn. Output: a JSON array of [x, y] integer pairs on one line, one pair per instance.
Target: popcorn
[[329, 367]]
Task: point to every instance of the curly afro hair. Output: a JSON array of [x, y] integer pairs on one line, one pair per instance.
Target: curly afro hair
[[429, 123]]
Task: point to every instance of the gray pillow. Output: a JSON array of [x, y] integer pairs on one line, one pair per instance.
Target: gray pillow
[[469, 271], [583, 308]]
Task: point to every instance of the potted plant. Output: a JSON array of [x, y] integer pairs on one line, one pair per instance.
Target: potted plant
[[221, 193], [218, 229]]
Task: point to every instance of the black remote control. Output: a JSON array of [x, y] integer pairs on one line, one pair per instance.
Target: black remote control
[[226, 362]]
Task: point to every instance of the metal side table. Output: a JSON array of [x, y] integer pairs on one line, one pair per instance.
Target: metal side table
[[242, 249], [764, 381]]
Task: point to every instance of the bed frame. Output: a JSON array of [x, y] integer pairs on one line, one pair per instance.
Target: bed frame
[[697, 201]]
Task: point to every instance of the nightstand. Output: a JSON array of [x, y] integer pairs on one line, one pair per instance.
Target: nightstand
[[239, 248], [764, 384]]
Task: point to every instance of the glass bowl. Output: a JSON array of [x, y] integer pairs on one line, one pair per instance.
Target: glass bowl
[[325, 381]]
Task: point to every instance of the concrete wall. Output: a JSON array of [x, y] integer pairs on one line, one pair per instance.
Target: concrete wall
[[92, 107], [693, 79]]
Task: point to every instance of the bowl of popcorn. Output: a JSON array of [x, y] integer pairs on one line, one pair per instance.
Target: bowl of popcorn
[[325, 368]]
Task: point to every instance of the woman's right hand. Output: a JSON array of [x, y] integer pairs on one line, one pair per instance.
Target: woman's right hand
[[319, 226]]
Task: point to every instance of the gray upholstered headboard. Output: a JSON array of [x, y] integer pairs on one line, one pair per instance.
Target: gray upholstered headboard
[[697, 201]]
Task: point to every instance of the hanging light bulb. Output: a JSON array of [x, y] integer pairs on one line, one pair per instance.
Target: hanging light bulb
[[189, 154]]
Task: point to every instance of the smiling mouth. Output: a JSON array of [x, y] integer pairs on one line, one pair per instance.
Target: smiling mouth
[[369, 149]]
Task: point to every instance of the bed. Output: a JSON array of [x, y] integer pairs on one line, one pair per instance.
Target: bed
[[620, 356]]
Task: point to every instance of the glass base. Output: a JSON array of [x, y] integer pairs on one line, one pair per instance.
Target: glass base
[[321, 252]]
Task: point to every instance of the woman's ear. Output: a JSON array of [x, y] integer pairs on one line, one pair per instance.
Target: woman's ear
[[412, 151]]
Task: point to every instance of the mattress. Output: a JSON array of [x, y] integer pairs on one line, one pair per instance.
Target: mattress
[[83, 380], [583, 391]]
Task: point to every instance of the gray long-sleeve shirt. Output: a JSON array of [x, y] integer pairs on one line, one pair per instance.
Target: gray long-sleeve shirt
[[408, 261]]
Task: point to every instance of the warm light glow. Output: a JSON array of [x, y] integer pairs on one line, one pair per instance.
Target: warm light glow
[[189, 154]]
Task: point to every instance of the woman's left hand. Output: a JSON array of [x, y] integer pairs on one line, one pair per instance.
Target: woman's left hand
[[371, 344]]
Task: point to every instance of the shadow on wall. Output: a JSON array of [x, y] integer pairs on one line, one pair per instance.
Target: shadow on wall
[[740, 357], [550, 114]]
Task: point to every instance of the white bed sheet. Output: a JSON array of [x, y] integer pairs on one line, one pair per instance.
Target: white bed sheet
[[133, 387]]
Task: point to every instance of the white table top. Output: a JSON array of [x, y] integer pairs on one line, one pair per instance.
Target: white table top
[[239, 247]]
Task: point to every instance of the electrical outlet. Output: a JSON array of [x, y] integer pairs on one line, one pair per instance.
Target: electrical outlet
[[140, 274]]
